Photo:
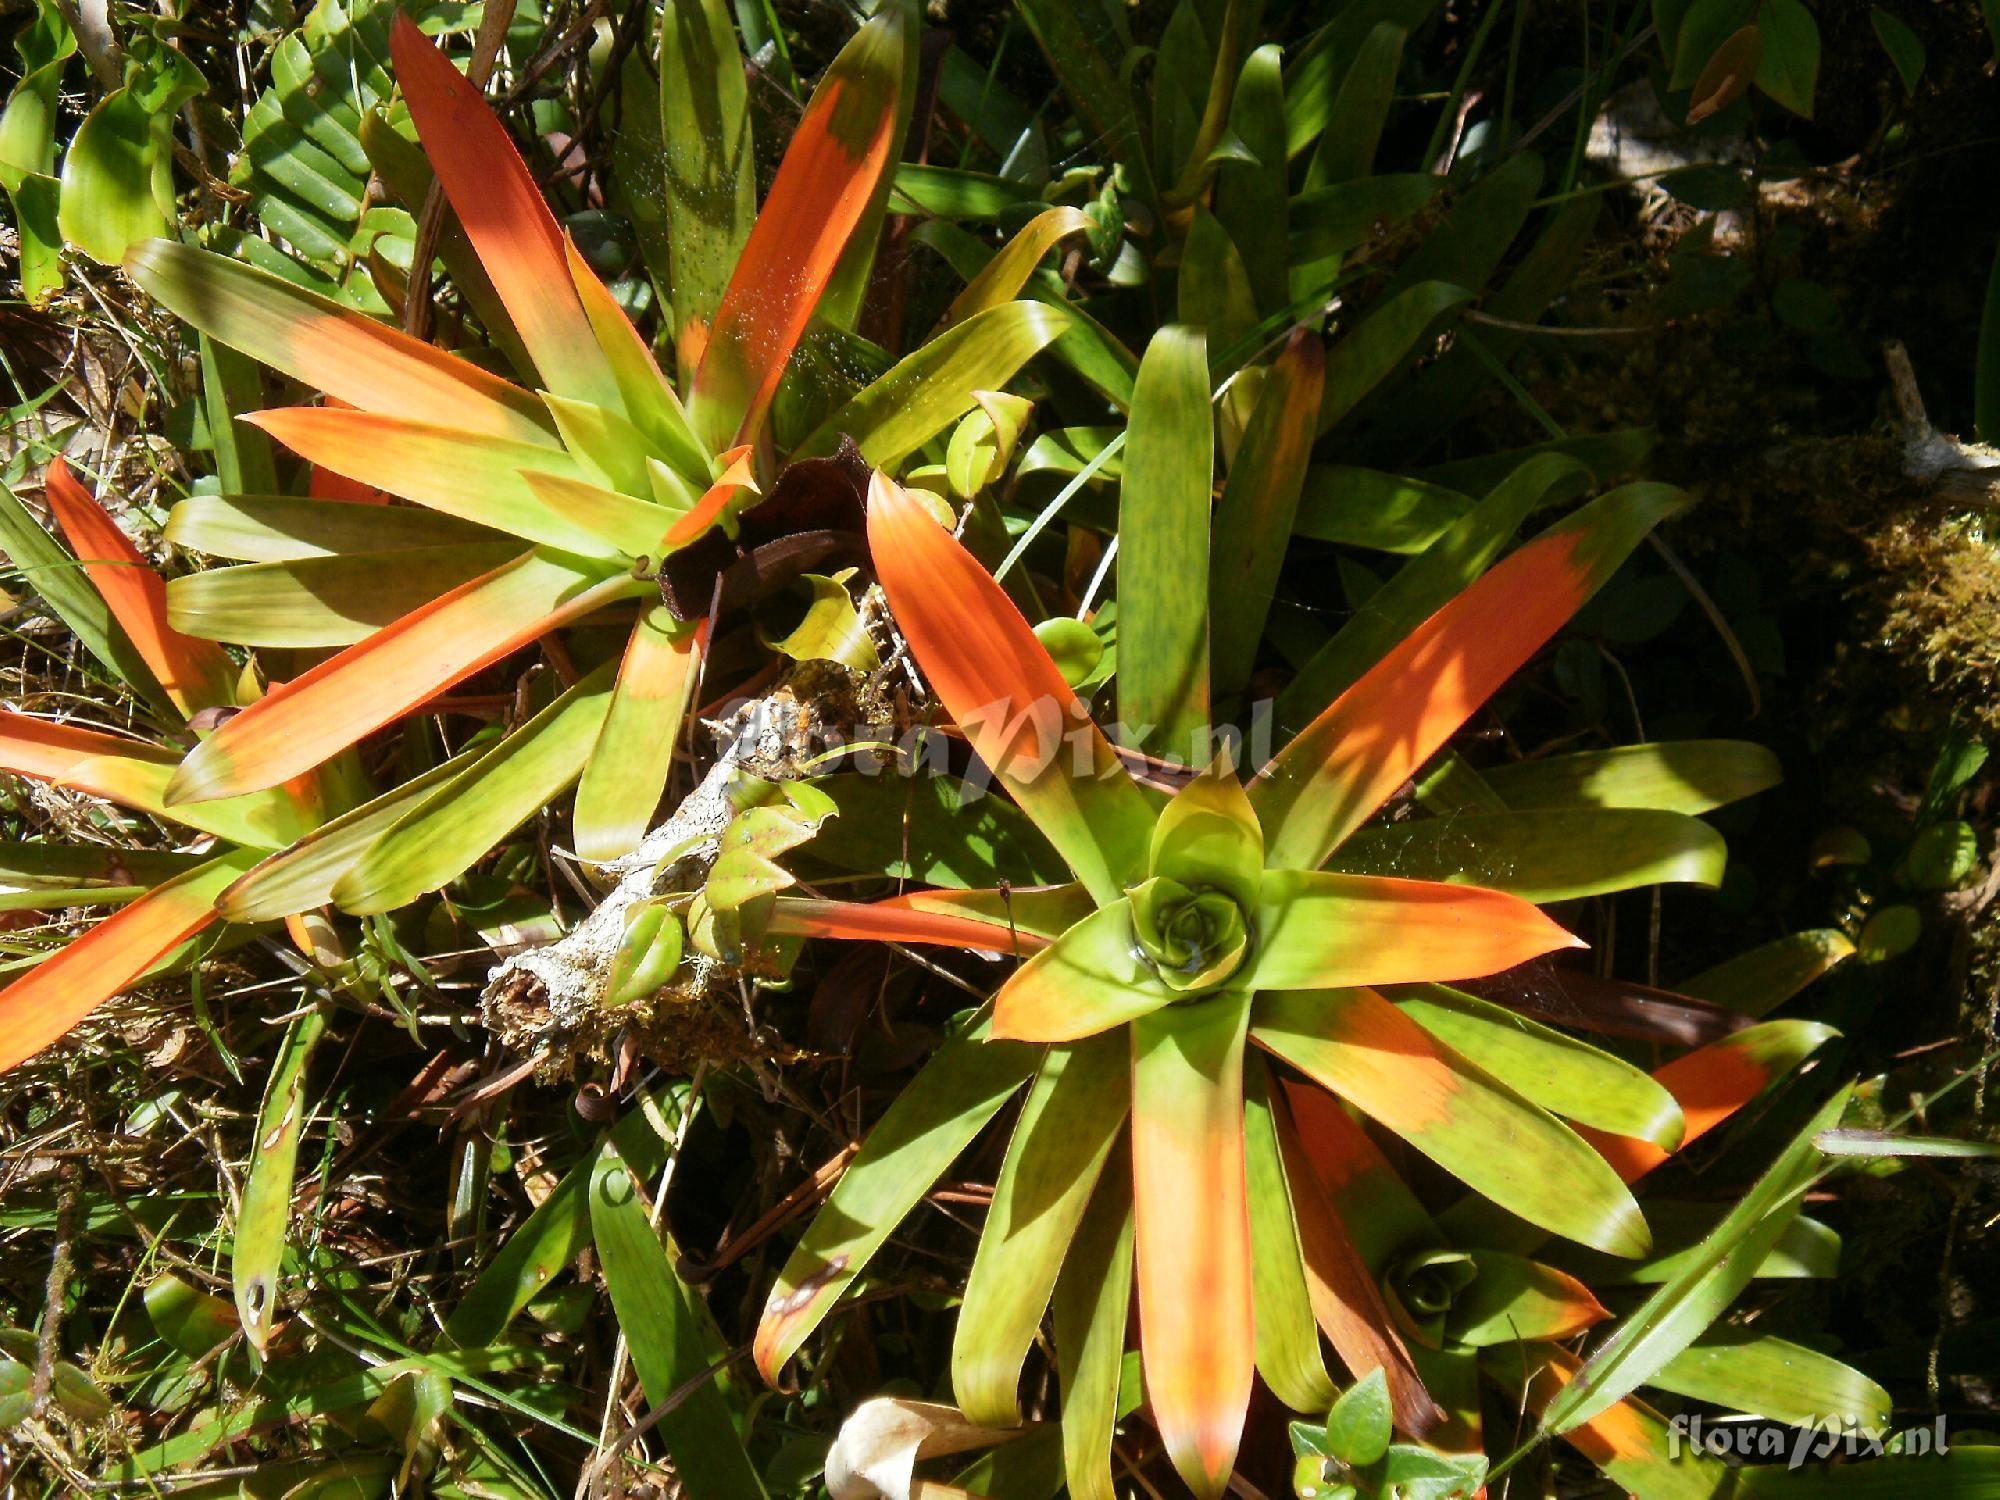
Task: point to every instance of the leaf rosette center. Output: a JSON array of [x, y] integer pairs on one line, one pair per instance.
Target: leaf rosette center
[[1196, 937]]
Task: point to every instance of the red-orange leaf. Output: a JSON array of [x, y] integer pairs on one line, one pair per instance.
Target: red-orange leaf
[[1346, 1297], [119, 770], [350, 356], [1317, 930], [497, 202], [315, 716], [72, 982], [1364, 1049], [196, 674], [1197, 1337], [837, 155], [1712, 1083], [737, 476], [1001, 686], [1349, 760], [1380, 1212], [1020, 920]]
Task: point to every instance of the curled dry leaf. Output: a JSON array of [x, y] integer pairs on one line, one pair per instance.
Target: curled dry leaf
[[875, 1456]]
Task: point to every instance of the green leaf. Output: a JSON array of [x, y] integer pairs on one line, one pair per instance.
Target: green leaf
[[1253, 198], [1090, 979], [626, 774], [37, 200], [1076, 649], [1610, 456], [323, 601], [1363, 359], [1288, 1352], [444, 835], [266, 1208], [1214, 289], [1073, 1113], [773, 818], [1879, 1144], [935, 1117], [1543, 856], [74, 1392], [672, 1339], [1564, 1076], [1788, 70], [1905, 50], [1097, 89], [1163, 568], [648, 952], [710, 170], [302, 874], [1806, 1251], [232, 385], [1682, 1309], [1207, 837], [1758, 982], [1092, 1305], [1480, 229], [1368, 508], [1318, 68], [953, 193], [1424, 585], [1358, 1428], [47, 877], [638, 158], [291, 528], [525, 489], [1941, 857], [1360, 109], [1771, 1377], [47, 567], [1329, 222], [925, 828], [191, 1321], [1512, 1298], [1003, 276], [1364, 1049], [933, 387], [1967, 1472], [1256, 515], [551, 1237], [1685, 776], [1432, 402], [117, 179]]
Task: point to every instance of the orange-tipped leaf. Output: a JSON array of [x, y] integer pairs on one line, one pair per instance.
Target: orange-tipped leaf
[[1348, 761], [43, 1006], [353, 358], [1361, 1047], [314, 717], [1197, 1336], [1327, 931], [1005, 691], [195, 674], [1712, 1083], [838, 154], [1021, 919], [504, 216]]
